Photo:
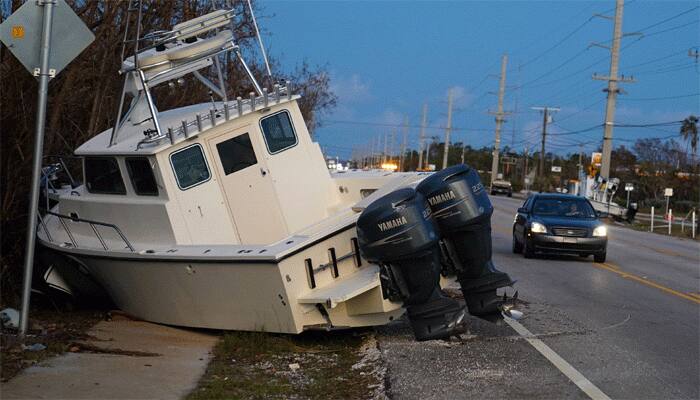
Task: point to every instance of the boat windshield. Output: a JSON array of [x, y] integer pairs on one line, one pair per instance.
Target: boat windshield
[[553, 207]]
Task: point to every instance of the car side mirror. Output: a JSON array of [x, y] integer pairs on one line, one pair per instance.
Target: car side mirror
[[602, 214], [522, 210]]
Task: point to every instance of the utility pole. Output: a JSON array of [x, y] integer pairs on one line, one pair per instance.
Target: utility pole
[[403, 144], [499, 119], [422, 136], [546, 119], [386, 140], [391, 146], [580, 171], [463, 149], [448, 129], [612, 89], [525, 172]]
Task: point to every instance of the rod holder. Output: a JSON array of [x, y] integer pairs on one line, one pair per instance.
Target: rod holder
[[184, 129], [289, 90], [199, 123], [265, 98], [252, 101], [277, 93], [171, 135], [212, 117], [226, 112], [239, 105]]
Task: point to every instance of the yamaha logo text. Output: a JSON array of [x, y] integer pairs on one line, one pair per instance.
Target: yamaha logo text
[[392, 223]]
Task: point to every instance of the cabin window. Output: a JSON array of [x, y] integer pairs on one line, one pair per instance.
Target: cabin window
[[141, 175], [190, 167], [236, 153], [102, 176], [278, 132]]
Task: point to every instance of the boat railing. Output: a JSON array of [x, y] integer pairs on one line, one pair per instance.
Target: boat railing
[[93, 225], [50, 175], [229, 110]]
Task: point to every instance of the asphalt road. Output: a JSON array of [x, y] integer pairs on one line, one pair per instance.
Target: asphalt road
[[631, 326]]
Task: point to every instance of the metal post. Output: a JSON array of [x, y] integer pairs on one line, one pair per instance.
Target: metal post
[[171, 135], [693, 224], [184, 129], [36, 171], [253, 99], [670, 221], [652, 219], [628, 199], [212, 117]]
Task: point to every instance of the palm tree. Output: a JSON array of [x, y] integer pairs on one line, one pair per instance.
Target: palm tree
[[689, 132]]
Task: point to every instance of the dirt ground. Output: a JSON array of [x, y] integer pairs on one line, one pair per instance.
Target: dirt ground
[[57, 330]]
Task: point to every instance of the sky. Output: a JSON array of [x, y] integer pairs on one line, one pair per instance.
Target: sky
[[387, 59]]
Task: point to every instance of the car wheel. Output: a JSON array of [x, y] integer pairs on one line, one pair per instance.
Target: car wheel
[[510, 194], [528, 251], [600, 257], [517, 246]]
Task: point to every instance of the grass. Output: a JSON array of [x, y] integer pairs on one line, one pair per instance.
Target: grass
[[256, 365], [661, 228]]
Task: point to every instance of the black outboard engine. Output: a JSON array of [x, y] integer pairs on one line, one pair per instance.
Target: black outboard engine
[[398, 232], [463, 211]]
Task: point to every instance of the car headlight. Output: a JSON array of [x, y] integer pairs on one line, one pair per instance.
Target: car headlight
[[600, 231], [536, 227]]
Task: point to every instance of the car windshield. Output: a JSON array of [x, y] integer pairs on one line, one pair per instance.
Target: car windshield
[[576, 208]]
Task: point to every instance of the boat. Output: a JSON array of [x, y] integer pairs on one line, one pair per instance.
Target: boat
[[224, 215]]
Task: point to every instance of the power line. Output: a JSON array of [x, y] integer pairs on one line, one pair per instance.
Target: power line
[[661, 98], [379, 124]]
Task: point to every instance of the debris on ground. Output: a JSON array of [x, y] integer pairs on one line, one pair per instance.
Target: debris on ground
[[50, 333], [312, 365], [34, 347], [9, 318]]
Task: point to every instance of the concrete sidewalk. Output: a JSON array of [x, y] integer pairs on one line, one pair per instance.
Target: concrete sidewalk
[[141, 361]]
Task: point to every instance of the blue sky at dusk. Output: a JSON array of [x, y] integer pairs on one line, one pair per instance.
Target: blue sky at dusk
[[387, 58]]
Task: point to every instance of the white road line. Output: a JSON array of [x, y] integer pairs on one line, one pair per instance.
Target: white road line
[[567, 369]]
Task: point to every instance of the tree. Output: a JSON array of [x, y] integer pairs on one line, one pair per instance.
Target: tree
[[689, 133], [83, 98]]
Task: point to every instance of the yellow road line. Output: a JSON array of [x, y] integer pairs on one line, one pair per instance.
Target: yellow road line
[[695, 295], [615, 269]]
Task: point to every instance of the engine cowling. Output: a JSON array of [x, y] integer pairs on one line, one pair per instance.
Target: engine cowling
[[462, 210], [398, 232]]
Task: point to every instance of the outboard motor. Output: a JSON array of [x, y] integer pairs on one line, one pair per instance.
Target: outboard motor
[[463, 211], [398, 232]]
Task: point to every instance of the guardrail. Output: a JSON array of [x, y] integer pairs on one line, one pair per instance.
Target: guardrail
[[668, 220]]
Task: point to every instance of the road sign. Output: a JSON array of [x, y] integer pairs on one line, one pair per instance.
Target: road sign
[[629, 187], [22, 31], [556, 168], [29, 33], [668, 192]]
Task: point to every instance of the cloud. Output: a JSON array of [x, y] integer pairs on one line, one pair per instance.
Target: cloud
[[351, 90], [460, 96]]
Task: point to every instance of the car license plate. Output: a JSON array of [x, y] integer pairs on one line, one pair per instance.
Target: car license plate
[[570, 240]]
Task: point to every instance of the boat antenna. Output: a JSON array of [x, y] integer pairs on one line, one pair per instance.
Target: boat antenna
[[262, 47]]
